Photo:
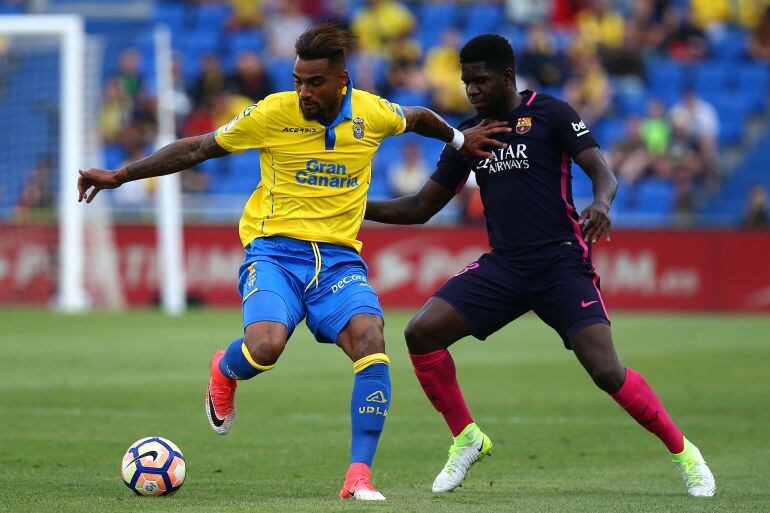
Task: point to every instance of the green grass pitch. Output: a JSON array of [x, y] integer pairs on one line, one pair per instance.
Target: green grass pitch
[[75, 392]]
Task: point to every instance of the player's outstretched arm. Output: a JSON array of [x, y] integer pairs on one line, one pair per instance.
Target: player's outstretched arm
[[595, 219], [177, 156], [473, 141], [414, 209]]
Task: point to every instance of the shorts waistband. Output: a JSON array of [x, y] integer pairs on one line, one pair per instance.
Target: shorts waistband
[[302, 243]]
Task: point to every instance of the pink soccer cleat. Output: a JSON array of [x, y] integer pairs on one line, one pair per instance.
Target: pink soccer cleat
[[358, 485], [220, 397]]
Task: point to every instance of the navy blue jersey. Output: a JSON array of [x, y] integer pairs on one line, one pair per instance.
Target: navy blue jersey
[[527, 188]]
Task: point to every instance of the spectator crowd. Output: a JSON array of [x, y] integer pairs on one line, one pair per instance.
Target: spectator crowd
[[602, 56]]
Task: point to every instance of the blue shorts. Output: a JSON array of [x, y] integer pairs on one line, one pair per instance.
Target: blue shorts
[[563, 290], [284, 280]]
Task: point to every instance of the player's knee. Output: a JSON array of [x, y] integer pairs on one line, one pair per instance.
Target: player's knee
[[264, 347], [418, 336], [367, 341], [608, 377]]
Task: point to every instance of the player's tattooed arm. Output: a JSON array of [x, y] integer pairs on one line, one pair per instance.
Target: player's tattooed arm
[[414, 209], [427, 123], [595, 219], [177, 156]]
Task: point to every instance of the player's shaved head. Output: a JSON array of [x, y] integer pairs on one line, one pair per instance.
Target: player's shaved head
[[325, 41], [494, 51]]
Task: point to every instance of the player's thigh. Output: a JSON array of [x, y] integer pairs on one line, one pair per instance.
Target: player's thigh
[[270, 295], [486, 295], [436, 326], [362, 336], [566, 295], [343, 291]]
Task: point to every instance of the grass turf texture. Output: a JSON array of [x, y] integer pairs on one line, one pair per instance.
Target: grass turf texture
[[75, 392]]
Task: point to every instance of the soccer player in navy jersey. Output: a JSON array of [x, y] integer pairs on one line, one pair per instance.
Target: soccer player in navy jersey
[[540, 258]]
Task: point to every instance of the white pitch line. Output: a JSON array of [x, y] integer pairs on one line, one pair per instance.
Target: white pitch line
[[402, 418]]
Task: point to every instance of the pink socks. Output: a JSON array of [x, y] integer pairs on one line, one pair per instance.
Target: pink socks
[[640, 401], [436, 373]]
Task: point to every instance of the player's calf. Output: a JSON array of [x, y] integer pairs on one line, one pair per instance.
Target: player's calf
[[369, 405], [362, 340], [641, 402]]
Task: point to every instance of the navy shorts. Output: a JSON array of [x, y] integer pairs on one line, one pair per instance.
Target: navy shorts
[[563, 291]]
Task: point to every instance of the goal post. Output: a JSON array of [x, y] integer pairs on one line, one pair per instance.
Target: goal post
[[169, 201], [53, 250], [69, 30]]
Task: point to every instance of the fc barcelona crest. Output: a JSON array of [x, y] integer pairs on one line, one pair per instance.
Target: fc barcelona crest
[[523, 125], [358, 128]]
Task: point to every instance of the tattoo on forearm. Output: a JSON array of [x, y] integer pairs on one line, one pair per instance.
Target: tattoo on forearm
[[177, 156]]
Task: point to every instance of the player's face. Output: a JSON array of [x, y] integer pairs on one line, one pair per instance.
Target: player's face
[[487, 89], [319, 86]]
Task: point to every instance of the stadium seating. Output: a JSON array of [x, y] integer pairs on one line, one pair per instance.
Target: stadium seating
[[736, 86], [728, 204]]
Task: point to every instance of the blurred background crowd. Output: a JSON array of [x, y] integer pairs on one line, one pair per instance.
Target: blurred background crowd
[[675, 91]]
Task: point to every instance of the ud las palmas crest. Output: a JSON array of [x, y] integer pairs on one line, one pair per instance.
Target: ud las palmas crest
[[523, 125], [358, 128]]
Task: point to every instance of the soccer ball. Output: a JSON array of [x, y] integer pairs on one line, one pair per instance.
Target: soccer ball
[[153, 466]]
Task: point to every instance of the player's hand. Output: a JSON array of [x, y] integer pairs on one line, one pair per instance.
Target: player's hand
[[595, 222], [94, 180], [479, 137]]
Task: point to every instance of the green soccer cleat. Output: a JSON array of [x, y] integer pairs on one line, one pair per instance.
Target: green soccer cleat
[[697, 476], [470, 446]]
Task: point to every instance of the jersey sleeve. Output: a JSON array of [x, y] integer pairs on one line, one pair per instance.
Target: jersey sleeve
[[245, 131], [570, 131], [451, 171], [392, 117]]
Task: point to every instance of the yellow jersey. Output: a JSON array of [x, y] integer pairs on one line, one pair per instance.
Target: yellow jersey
[[314, 177]]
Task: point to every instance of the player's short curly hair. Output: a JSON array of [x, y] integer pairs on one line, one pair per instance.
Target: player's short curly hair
[[495, 51], [325, 41]]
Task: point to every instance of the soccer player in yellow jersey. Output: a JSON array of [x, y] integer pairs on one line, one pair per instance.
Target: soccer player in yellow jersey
[[299, 228]]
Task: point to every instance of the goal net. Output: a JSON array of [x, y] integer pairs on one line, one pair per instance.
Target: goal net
[[49, 86]]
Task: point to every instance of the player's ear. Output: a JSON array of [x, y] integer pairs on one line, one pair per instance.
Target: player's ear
[[509, 77], [345, 76]]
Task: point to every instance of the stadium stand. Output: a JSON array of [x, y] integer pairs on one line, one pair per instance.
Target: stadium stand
[[681, 50]]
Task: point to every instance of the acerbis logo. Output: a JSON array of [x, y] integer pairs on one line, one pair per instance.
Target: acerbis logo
[[376, 397], [300, 129]]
